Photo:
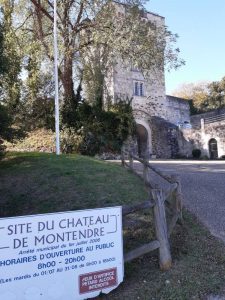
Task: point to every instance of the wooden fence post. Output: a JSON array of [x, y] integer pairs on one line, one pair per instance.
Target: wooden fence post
[[179, 197], [122, 159], [131, 161], [146, 174], [165, 259]]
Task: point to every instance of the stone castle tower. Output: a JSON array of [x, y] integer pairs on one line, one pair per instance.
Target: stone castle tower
[[154, 113]]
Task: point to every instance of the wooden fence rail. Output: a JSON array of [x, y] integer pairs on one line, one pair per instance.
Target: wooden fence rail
[[165, 203]]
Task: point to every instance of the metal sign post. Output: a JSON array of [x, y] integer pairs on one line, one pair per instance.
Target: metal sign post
[[56, 81]]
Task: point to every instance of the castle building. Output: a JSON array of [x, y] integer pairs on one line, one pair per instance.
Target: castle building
[[164, 127], [156, 115]]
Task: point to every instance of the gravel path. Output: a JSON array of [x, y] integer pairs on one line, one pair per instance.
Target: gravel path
[[203, 186]]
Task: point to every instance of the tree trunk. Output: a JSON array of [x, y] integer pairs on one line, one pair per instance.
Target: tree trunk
[[70, 100], [67, 80]]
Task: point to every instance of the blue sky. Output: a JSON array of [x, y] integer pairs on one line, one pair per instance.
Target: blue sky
[[200, 25]]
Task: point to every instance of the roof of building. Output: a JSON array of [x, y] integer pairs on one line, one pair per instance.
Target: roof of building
[[157, 15]]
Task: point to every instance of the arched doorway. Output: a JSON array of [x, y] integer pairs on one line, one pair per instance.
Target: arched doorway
[[142, 141], [213, 150]]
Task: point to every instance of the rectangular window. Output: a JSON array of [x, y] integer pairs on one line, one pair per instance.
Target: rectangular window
[[136, 89], [141, 89]]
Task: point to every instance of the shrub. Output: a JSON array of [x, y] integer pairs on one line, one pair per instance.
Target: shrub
[[70, 140], [205, 157], [7, 131], [96, 131], [41, 140], [2, 149], [196, 153], [180, 156], [93, 131]]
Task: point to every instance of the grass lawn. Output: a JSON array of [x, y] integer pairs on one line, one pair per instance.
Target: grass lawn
[[39, 183]]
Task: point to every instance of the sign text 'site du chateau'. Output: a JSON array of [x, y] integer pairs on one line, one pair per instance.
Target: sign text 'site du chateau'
[[70, 255]]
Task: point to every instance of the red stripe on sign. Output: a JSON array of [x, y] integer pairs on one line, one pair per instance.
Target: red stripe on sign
[[96, 281]]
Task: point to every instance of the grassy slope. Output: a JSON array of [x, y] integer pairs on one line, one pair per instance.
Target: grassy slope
[[39, 183]]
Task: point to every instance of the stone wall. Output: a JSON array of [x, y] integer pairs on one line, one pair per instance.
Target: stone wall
[[164, 138], [199, 139], [153, 99], [188, 139], [178, 110], [169, 141], [163, 135]]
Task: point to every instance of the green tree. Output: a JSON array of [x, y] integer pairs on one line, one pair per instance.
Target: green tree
[[38, 94], [216, 96], [197, 92], [10, 82], [94, 69], [7, 132], [205, 95], [85, 25], [5, 120], [3, 59], [82, 27]]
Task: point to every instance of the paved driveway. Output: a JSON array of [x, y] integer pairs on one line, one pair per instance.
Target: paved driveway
[[203, 186]]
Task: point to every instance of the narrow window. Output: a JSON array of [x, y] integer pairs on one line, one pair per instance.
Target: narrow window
[[141, 89], [136, 89]]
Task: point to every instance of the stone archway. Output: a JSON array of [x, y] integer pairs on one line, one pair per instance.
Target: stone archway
[[142, 141], [143, 134], [213, 149]]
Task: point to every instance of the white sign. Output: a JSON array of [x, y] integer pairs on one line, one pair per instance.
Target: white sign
[[61, 256]]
